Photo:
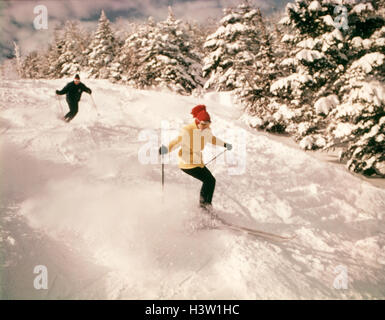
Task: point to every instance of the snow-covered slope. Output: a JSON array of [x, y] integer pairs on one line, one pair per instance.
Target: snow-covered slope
[[76, 198]]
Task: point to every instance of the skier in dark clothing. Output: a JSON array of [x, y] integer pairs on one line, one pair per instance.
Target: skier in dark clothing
[[73, 91]]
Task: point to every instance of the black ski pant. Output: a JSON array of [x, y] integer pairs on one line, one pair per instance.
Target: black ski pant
[[208, 186], [73, 105]]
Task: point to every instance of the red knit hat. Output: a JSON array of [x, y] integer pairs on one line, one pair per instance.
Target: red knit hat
[[198, 109], [202, 116]]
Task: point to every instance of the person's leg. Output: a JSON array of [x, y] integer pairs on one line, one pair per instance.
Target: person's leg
[[208, 186], [68, 115], [75, 109], [73, 105]]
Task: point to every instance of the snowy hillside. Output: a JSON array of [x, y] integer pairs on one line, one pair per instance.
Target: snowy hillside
[[76, 199]]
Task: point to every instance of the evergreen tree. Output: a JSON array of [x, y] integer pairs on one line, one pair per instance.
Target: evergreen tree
[[8, 70], [126, 65], [55, 50], [181, 61], [32, 65], [102, 50], [162, 55], [198, 33], [74, 43], [232, 49], [331, 90], [358, 122], [318, 56], [255, 93]]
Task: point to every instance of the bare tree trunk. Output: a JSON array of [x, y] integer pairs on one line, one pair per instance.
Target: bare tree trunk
[[18, 60]]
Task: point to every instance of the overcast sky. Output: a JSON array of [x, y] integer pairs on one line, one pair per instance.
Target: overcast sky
[[16, 16]]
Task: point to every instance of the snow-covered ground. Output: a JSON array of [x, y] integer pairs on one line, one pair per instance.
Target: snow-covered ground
[[77, 199]]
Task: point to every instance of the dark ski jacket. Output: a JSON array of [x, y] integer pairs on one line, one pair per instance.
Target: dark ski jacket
[[74, 91]]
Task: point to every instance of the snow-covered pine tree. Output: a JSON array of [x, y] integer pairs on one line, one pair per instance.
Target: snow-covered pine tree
[[125, 67], [55, 50], [255, 94], [102, 50], [34, 65], [358, 122], [318, 56], [181, 61], [8, 70], [165, 57], [198, 32], [232, 49], [74, 44]]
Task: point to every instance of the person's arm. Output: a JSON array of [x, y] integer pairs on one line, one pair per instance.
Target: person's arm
[[174, 143], [86, 89], [216, 141], [64, 90], [213, 139]]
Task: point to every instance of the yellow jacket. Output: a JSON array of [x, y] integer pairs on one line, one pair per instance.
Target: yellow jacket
[[192, 141]]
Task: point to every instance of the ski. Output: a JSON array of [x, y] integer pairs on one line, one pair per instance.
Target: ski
[[258, 233]]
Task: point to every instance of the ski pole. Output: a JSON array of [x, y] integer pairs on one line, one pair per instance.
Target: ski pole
[[94, 105], [61, 107], [162, 160], [216, 157], [162, 174]]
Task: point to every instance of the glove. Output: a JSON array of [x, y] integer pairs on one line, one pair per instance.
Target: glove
[[163, 150], [228, 146], [57, 91]]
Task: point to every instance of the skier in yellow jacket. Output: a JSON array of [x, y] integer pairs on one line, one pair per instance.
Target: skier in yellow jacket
[[192, 140]]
